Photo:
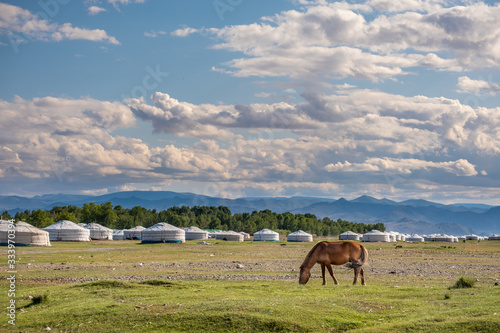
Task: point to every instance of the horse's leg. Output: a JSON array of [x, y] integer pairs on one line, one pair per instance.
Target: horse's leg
[[323, 274], [330, 270], [362, 271], [356, 271]]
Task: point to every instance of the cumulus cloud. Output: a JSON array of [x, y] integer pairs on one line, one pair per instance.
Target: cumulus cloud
[[375, 40], [20, 26], [349, 141], [467, 85], [184, 32]]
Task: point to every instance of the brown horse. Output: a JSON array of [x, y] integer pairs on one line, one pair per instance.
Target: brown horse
[[327, 254]]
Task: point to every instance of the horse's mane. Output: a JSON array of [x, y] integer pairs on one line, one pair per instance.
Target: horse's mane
[[309, 255]]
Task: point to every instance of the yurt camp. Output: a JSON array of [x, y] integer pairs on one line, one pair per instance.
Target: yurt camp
[[415, 238], [229, 236], [396, 236], [195, 233], [163, 233], [376, 236], [134, 233], [494, 237], [349, 235], [24, 234], [299, 236], [118, 235], [67, 231], [266, 235], [439, 238], [99, 232]]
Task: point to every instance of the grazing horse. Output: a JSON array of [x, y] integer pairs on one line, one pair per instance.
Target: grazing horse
[[353, 254]]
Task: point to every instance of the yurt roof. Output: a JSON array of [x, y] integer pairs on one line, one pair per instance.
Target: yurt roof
[[266, 231], [414, 237], [27, 227], [64, 224], [229, 232], [20, 226], [136, 228], [96, 226], [300, 232], [117, 232], [194, 229], [4, 225], [376, 232], [348, 233], [162, 226]]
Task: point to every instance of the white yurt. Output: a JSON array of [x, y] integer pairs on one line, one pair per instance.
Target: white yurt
[[195, 233], [415, 238], [461, 238], [229, 236], [376, 236], [24, 234], [246, 236], [99, 232], [472, 237], [349, 235], [163, 233], [118, 235], [266, 235], [134, 233], [494, 237], [67, 231], [396, 236], [299, 236]]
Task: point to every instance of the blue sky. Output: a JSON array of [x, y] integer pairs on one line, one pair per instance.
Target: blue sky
[[234, 98]]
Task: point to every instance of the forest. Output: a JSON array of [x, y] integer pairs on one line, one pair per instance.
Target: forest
[[204, 217]]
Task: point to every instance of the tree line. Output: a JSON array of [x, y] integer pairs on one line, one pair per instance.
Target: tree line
[[204, 217]]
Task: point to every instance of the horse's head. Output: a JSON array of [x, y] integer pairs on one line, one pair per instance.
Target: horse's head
[[305, 274]]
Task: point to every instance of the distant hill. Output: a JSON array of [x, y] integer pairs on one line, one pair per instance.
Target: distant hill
[[410, 216]]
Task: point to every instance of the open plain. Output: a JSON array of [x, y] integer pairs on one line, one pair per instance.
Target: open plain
[[125, 286]]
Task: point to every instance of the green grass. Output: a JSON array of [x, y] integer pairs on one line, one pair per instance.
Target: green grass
[[149, 302], [465, 282]]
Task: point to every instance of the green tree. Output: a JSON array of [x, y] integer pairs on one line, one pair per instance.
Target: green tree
[[40, 218], [6, 216], [66, 216]]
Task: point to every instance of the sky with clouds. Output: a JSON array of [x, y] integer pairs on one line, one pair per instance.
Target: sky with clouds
[[233, 98]]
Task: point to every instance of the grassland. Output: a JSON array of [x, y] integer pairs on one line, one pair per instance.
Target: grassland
[[250, 287]]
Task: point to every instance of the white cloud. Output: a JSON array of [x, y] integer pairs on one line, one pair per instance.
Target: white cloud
[[154, 33], [477, 87], [94, 10], [330, 40], [184, 32], [361, 138], [115, 3], [460, 167], [21, 25]]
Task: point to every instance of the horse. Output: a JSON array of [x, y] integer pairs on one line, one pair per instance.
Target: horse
[[353, 254]]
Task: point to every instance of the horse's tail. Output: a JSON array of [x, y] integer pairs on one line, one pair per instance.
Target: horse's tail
[[363, 259]]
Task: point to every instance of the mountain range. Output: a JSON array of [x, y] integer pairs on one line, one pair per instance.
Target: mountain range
[[410, 216]]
